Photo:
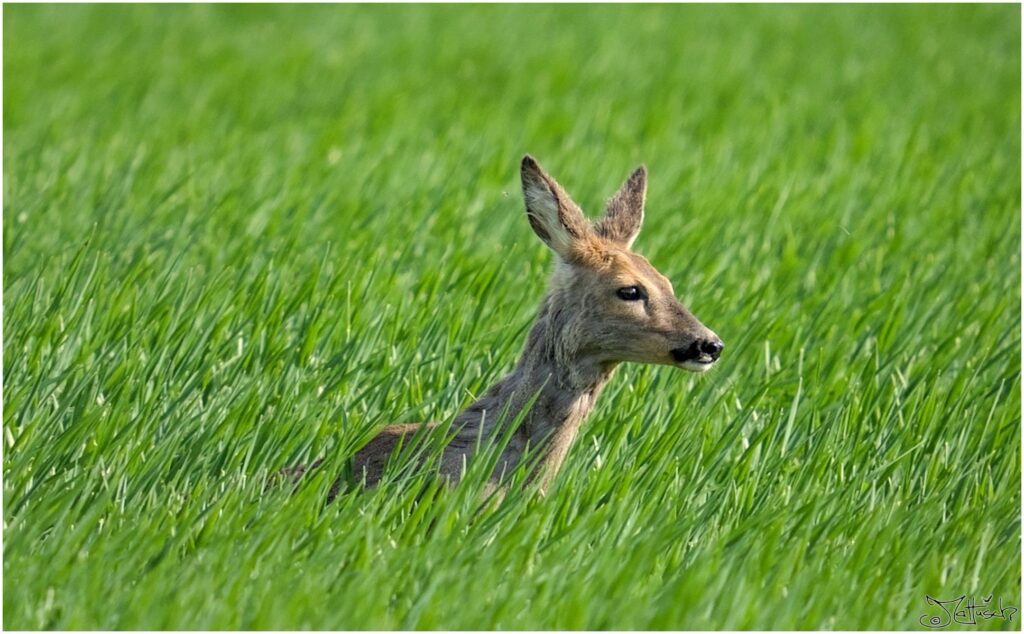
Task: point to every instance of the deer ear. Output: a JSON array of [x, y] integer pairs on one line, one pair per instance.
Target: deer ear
[[555, 218], [625, 212]]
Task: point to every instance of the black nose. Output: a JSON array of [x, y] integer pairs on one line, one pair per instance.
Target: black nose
[[712, 348]]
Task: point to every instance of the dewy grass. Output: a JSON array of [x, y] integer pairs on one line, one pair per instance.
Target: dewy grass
[[241, 238]]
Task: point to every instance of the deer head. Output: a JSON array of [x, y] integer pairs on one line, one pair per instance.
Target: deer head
[[609, 304]]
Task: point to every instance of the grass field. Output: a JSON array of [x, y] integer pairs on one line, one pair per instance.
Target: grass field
[[238, 238]]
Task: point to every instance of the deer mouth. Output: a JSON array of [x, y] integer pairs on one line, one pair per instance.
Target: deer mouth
[[692, 360], [697, 365]]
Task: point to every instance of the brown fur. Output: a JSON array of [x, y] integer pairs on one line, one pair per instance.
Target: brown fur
[[583, 331]]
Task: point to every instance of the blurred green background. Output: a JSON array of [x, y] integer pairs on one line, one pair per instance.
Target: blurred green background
[[240, 237]]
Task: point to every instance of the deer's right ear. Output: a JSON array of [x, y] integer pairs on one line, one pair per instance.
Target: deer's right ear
[[555, 218], [625, 213]]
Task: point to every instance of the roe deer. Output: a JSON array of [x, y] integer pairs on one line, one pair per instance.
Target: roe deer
[[605, 305]]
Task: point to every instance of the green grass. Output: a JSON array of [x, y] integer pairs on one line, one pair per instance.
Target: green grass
[[238, 238]]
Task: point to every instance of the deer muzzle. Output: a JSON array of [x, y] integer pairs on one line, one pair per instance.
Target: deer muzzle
[[699, 355]]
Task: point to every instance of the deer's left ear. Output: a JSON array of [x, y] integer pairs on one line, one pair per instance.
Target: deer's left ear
[[625, 212], [555, 218]]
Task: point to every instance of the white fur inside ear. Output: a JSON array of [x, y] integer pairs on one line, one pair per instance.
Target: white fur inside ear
[[542, 206]]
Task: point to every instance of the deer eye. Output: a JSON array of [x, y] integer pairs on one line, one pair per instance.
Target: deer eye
[[630, 293]]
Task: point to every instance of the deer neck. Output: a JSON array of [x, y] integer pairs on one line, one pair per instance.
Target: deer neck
[[554, 387]]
